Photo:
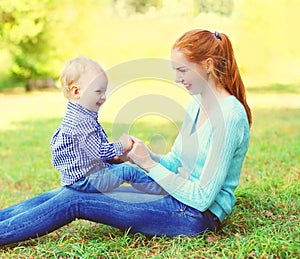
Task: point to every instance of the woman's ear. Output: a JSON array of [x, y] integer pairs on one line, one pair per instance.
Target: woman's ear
[[209, 64], [75, 92]]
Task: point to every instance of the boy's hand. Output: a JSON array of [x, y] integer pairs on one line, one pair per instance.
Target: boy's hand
[[116, 160], [126, 142]]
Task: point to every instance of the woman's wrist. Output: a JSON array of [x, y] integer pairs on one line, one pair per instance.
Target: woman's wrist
[[154, 156], [147, 166]]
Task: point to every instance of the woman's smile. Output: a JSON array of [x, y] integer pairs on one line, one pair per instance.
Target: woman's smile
[[187, 86]]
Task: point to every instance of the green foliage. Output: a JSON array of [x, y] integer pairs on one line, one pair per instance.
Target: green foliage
[[222, 7], [142, 6], [26, 32], [42, 34], [9, 83]]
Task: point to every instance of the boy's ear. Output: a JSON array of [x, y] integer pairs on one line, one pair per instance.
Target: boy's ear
[[75, 92]]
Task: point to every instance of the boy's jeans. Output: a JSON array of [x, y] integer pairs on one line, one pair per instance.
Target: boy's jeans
[[110, 178]]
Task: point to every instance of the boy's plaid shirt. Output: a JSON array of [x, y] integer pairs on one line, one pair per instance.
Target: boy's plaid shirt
[[80, 145]]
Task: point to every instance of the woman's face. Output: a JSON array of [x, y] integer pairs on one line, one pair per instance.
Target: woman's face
[[193, 76]]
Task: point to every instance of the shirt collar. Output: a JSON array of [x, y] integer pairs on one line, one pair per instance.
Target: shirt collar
[[76, 108]]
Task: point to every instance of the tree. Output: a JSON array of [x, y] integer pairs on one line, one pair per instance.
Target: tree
[[140, 6], [223, 7], [26, 31]]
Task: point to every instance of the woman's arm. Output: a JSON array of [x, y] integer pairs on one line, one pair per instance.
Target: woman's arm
[[169, 160], [198, 193], [154, 156], [141, 155], [223, 163]]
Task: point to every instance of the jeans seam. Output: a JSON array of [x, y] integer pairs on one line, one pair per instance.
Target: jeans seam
[[24, 226]]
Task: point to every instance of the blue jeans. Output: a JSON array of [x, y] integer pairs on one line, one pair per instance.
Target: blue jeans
[[123, 208], [112, 177]]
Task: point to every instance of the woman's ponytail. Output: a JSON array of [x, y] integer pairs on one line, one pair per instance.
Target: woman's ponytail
[[232, 79]]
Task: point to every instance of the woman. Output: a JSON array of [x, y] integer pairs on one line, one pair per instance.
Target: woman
[[200, 173]]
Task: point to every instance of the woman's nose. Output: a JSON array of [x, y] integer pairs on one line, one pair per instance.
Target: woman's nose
[[178, 78]]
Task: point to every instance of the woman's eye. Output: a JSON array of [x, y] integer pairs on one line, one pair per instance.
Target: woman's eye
[[182, 69]]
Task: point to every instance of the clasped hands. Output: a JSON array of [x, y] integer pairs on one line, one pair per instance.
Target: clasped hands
[[135, 151]]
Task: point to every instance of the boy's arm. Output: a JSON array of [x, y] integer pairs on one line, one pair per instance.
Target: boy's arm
[[126, 142], [93, 140]]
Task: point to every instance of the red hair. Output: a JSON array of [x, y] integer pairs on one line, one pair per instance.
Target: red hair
[[198, 45]]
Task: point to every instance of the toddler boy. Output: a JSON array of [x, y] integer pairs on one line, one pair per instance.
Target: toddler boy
[[80, 148]]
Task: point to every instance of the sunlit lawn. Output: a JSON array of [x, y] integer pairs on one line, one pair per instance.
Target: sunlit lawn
[[265, 220], [264, 223]]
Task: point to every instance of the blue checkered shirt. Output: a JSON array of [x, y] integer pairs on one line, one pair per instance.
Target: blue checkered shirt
[[80, 145]]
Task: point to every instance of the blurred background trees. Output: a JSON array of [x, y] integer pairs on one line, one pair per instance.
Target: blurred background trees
[[140, 6], [26, 29], [37, 36]]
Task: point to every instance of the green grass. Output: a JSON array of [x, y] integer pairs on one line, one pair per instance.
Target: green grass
[[275, 88], [264, 222]]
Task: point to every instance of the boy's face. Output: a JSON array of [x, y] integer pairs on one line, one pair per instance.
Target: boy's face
[[92, 94]]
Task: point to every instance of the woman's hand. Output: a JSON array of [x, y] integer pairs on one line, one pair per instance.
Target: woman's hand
[[139, 155]]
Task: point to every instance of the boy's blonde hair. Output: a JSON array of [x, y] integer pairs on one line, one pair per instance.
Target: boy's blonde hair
[[74, 70]]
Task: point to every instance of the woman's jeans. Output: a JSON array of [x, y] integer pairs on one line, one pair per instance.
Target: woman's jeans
[[123, 208], [112, 177]]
